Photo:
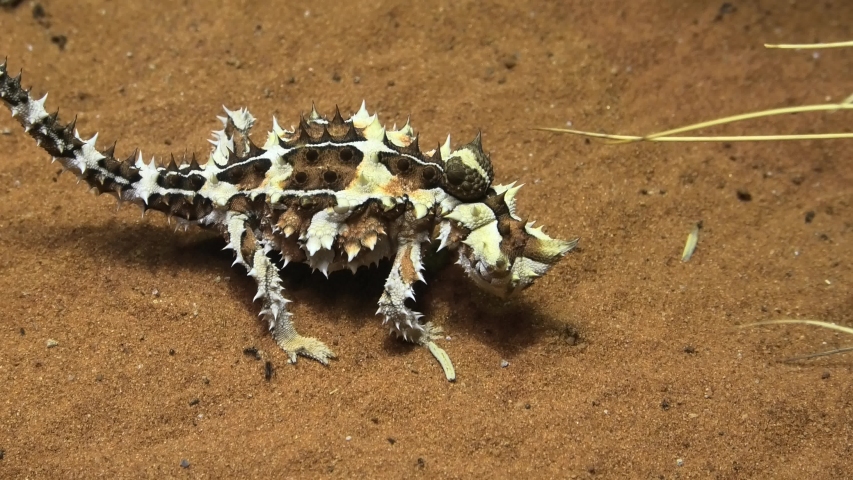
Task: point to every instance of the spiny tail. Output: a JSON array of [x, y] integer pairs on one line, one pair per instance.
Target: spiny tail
[[172, 189]]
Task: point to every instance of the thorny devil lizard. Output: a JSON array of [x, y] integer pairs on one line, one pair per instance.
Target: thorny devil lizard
[[333, 194]]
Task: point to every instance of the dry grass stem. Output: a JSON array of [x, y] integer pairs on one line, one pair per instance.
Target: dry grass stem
[[668, 135], [818, 323], [809, 45]]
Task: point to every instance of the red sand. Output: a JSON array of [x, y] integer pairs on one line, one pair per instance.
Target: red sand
[[624, 361]]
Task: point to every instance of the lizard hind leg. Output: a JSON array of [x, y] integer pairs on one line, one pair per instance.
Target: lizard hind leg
[[253, 254]]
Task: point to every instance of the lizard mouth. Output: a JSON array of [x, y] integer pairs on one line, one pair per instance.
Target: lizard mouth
[[491, 278]]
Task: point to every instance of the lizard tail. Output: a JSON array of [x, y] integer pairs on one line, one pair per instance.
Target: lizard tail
[[171, 189]]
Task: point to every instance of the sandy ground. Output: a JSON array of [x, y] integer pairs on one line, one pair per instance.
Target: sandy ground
[[624, 362]]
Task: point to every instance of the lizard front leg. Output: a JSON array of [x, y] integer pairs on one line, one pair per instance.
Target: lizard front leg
[[252, 253], [402, 320]]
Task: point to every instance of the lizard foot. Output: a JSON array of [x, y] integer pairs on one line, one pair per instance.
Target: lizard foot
[[443, 359], [307, 347], [432, 333]]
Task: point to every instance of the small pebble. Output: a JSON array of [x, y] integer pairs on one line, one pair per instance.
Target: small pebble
[[185, 463], [504, 364], [510, 61], [51, 343], [744, 196], [252, 352], [679, 462], [348, 438]]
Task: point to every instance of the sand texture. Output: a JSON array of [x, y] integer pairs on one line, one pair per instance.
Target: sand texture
[[624, 362]]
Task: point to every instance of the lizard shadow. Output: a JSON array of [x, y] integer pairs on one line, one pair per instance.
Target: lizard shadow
[[506, 326]]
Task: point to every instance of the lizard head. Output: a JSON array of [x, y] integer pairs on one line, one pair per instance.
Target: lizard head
[[502, 253]]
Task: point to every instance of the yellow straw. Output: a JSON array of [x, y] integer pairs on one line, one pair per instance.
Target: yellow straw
[[666, 136], [810, 45]]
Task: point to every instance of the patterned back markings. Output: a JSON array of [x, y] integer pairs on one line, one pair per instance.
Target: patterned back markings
[[411, 168], [322, 155], [323, 167]]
